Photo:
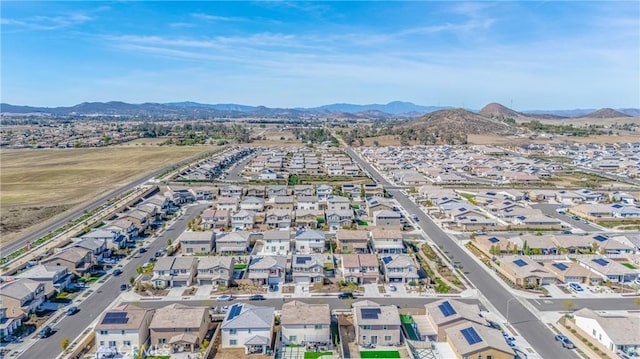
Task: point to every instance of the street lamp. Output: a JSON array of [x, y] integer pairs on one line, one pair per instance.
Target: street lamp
[[509, 301]]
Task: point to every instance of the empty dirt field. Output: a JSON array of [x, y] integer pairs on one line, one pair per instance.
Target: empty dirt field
[[36, 185]]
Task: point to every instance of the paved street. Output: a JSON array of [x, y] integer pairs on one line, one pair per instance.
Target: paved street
[[234, 173], [550, 209], [93, 306], [524, 321], [546, 304]]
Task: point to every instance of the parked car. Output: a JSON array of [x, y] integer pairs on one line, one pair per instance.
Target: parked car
[[123, 286], [117, 272], [142, 250], [158, 254], [566, 343], [345, 296], [576, 287], [72, 310], [257, 297], [225, 298], [508, 337], [560, 337], [45, 332], [392, 288]]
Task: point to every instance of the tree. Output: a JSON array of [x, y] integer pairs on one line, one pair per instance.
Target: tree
[[568, 305], [169, 241], [132, 280], [64, 343]]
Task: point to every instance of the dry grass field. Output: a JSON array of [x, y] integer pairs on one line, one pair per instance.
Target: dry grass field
[[38, 184]]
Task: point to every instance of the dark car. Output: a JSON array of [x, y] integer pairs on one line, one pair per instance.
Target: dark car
[[117, 272], [158, 254], [345, 295], [257, 297], [142, 250], [45, 332], [123, 286], [72, 310]]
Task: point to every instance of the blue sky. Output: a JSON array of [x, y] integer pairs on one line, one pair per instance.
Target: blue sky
[[528, 55]]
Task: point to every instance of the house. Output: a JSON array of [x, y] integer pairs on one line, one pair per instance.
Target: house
[[227, 204], [308, 219], [376, 324], [351, 190], [113, 238], [339, 218], [8, 325], [386, 218], [249, 327], [139, 218], [304, 190], [306, 324], [268, 174], [286, 203], [202, 193], [55, 278], [78, 261], [125, 228], [310, 241], [179, 196], [276, 242], [470, 340], [360, 268], [323, 191], [215, 219], [615, 332], [338, 203], [267, 270], [385, 240], [256, 191], [232, 243], [196, 242], [123, 329], [608, 269], [279, 218], [255, 204], [98, 247], [570, 272], [308, 268], [277, 190], [231, 191], [373, 190], [378, 204], [215, 270], [399, 268], [447, 313], [182, 327], [243, 220], [352, 241], [162, 203], [170, 272], [310, 203], [21, 296], [524, 272]]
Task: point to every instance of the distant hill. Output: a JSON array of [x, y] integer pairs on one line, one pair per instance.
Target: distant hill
[[461, 121], [496, 110], [606, 113], [393, 108]]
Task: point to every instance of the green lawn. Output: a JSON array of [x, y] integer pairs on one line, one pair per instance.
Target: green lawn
[[380, 354], [406, 318], [629, 265], [315, 355], [240, 266]]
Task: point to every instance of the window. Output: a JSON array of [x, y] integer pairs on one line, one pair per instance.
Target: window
[[364, 337], [162, 341], [122, 332], [489, 356], [102, 343], [293, 338], [189, 250], [366, 327], [384, 327], [387, 338], [233, 331], [112, 343], [318, 327], [104, 332], [594, 332], [233, 342], [126, 343]]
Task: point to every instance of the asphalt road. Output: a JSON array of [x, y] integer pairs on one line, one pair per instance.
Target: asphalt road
[[556, 305], [522, 319], [234, 173], [550, 209], [92, 307], [72, 214]]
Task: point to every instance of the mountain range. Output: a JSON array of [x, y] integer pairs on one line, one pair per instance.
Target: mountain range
[[395, 109]]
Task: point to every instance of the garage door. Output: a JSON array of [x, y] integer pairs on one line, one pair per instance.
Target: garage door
[[302, 280]]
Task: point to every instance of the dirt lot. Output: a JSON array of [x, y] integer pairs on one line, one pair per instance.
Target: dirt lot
[[39, 184]]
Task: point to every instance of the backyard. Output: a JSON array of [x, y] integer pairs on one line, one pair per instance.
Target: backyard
[[380, 354]]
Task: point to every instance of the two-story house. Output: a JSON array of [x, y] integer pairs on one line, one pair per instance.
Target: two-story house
[[360, 268], [308, 219], [98, 248], [231, 191], [8, 325], [215, 270], [310, 203], [338, 203], [352, 241], [196, 242], [310, 241], [113, 238], [55, 278], [278, 219], [170, 272], [386, 218], [446, 313], [323, 191], [123, 329], [249, 327], [376, 324], [182, 327], [399, 268], [215, 219], [385, 240], [276, 242], [243, 220], [254, 204], [21, 296], [125, 228], [306, 324], [338, 218], [78, 261], [308, 268], [267, 270], [283, 202], [232, 243], [227, 204]]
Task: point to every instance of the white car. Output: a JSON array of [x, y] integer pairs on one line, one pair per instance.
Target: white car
[[225, 298]]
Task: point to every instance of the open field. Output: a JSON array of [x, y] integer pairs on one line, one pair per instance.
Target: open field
[[38, 184]]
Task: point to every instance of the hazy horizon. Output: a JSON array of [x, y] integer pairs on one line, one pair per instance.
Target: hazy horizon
[[524, 55]]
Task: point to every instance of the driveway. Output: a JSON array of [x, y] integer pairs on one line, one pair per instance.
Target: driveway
[[175, 292], [371, 290]]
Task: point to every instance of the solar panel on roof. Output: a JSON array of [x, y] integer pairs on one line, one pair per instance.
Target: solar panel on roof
[[446, 309], [471, 335], [387, 259], [520, 262], [494, 240], [234, 311], [560, 266], [302, 260], [600, 238], [115, 318], [370, 313], [617, 206], [600, 261]]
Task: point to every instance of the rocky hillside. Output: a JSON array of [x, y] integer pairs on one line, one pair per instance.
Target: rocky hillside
[[461, 121], [496, 110], [606, 113]]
